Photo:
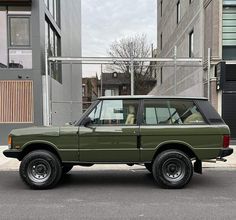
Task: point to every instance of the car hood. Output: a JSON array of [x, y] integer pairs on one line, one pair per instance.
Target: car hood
[[48, 131]]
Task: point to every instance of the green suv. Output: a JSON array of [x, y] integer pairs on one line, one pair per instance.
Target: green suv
[[170, 136]]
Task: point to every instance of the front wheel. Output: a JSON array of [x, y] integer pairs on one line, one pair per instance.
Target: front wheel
[[40, 169], [172, 169]]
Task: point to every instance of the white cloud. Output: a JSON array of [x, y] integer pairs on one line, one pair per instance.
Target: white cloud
[[104, 21]]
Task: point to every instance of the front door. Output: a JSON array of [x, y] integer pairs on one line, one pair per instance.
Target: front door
[[113, 134]]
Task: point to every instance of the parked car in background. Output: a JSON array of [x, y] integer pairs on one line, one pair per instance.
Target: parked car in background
[[170, 136]]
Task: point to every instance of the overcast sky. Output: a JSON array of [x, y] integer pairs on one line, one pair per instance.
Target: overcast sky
[[104, 21]]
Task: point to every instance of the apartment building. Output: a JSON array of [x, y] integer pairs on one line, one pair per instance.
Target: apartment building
[[194, 26], [29, 30]]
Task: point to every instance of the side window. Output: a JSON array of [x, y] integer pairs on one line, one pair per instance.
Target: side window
[[161, 112], [156, 112], [95, 114], [186, 112], [119, 112]]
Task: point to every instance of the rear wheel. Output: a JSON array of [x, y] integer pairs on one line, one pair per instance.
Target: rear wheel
[[172, 169], [40, 169]]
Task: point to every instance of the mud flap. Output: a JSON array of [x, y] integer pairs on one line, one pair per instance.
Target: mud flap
[[198, 166]]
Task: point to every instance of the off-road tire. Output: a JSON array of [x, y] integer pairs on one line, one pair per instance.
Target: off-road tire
[[40, 169], [172, 169]]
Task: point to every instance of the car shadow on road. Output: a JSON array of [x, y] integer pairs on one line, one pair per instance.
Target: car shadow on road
[[135, 179], [211, 179]]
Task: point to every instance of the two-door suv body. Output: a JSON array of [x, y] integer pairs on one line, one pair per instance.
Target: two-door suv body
[[171, 136]]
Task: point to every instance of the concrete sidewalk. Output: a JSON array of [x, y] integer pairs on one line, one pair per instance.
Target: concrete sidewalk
[[7, 164]]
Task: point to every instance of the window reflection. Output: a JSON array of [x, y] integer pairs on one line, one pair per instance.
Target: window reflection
[[19, 31], [15, 43], [53, 48], [20, 59]]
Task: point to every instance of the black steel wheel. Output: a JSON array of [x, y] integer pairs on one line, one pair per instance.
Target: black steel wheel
[[40, 169], [172, 169], [148, 167], [66, 168]]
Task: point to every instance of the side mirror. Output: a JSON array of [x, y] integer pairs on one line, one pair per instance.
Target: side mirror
[[87, 121]]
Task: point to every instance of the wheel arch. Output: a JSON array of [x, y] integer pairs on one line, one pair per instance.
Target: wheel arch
[[39, 145], [175, 145]]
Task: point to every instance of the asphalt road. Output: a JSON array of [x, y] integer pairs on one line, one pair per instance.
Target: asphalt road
[[124, 194]]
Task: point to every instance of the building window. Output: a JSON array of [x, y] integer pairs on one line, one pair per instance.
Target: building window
[[161, 4], [229, 30], [83, 90], [15, 38], [161, 41], [115, 75], [54, 8], [178, 12], [19, 31], [19, 52], [53, 48], [191, 38], [20, 58]]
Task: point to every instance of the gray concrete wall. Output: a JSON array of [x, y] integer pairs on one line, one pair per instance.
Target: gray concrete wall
[[189, 79], [71, 87]]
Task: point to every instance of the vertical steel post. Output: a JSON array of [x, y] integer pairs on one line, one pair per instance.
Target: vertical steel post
[[50, 75], [101, 81], [209, 74], [47, 107], [132, 68], [175, 57], [71, 92]]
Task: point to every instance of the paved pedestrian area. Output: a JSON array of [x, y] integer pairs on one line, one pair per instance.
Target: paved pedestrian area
[[7, 164]]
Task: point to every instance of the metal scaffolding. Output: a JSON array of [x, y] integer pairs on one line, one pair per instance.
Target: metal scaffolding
[[175, 62]]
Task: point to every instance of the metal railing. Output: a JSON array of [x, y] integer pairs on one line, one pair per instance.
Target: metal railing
[[131, 61]]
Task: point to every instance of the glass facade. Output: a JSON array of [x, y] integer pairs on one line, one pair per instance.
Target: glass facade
[[15, 38], [53, 48], [54, 8], [229, 30]]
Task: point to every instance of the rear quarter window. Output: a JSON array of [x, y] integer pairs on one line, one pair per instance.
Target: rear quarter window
[[209, 112], [169, 112]]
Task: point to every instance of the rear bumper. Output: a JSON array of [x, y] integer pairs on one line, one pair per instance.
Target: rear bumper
[[12, 153], [225, 152]]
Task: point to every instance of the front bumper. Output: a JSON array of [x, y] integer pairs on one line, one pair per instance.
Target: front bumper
[[225, 152], [12, 153]]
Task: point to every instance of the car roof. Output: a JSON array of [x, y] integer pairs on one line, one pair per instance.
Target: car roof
[[150, 97]]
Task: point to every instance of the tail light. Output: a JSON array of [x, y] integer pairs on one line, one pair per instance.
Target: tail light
[[226, 141], [9, 140]]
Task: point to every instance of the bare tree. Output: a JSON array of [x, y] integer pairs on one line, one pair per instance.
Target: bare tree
[[137, 47]]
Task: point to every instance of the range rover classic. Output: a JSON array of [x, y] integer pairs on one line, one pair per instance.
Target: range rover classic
[[170, 136]]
